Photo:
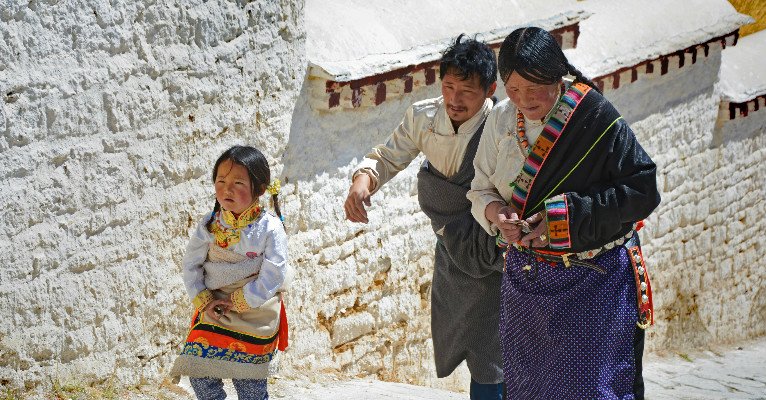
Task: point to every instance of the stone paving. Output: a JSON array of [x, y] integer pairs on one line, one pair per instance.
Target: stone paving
[[736, 372]]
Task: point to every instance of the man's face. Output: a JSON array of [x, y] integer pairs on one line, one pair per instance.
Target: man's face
[[463, 98]]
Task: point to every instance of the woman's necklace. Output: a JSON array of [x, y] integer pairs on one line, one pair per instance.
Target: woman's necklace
[[521, 129], [521, 132]]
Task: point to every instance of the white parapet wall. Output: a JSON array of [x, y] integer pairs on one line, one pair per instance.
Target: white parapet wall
[[742, 113], [362, 55], [111, 116]]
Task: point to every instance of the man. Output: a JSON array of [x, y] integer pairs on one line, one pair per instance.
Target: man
[[468, 265]]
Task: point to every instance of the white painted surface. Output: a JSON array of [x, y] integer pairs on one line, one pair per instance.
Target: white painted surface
[[112, 116], [742, 79], [351, 39], [743, 69], [702, 241], [656, 93], [740, 128], [623, 33]]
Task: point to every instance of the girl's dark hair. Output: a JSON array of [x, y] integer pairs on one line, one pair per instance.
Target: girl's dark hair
[[534, 54], [257, 170]]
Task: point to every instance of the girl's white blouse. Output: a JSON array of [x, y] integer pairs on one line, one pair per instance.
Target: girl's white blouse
[[264, 239]]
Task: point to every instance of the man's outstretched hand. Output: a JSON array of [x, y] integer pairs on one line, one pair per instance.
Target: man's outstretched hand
[[358, 197]]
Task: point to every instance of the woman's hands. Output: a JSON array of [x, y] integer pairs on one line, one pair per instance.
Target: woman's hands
[[218, 308], [538, 237], [512, 228], [505, 219]]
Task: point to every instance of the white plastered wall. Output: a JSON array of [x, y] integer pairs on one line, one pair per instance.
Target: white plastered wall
[[112, 115], [363, 289], [703, 241]]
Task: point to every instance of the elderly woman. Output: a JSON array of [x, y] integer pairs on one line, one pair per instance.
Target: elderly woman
[[562, 181]]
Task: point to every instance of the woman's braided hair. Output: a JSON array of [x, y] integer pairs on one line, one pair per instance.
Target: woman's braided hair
[[534, 54]]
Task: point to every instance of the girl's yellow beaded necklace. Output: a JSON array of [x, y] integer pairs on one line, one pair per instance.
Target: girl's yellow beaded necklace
[[229, 234]]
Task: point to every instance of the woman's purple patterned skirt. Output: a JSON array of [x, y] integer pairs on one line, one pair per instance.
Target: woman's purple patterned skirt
[[570, 333]]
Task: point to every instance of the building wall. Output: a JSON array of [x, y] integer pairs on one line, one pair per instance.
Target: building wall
[[702, 242], [362, 291], [112, 115]]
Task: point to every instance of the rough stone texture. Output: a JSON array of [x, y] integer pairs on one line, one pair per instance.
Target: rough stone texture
[[702, 243], [112, 115], [364, 290]]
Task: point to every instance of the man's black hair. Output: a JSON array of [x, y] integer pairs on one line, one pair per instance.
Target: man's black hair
[[469, 57]]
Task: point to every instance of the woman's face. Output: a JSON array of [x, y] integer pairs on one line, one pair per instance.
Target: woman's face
[[534, 100]]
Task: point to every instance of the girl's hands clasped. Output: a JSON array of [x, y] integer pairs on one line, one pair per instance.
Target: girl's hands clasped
[[218, 308]]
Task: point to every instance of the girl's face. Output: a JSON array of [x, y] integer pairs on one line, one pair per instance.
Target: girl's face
[[534, 100], [233, 188]]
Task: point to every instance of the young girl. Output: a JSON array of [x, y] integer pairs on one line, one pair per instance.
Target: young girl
[[234, 269]]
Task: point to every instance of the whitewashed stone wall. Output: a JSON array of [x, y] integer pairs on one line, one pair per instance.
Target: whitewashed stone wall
[[703, 241], [112, 115], [363, 289]]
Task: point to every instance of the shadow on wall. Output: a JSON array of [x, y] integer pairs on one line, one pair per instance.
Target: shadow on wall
[[653, 94], [758, 314], [326, 142]]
